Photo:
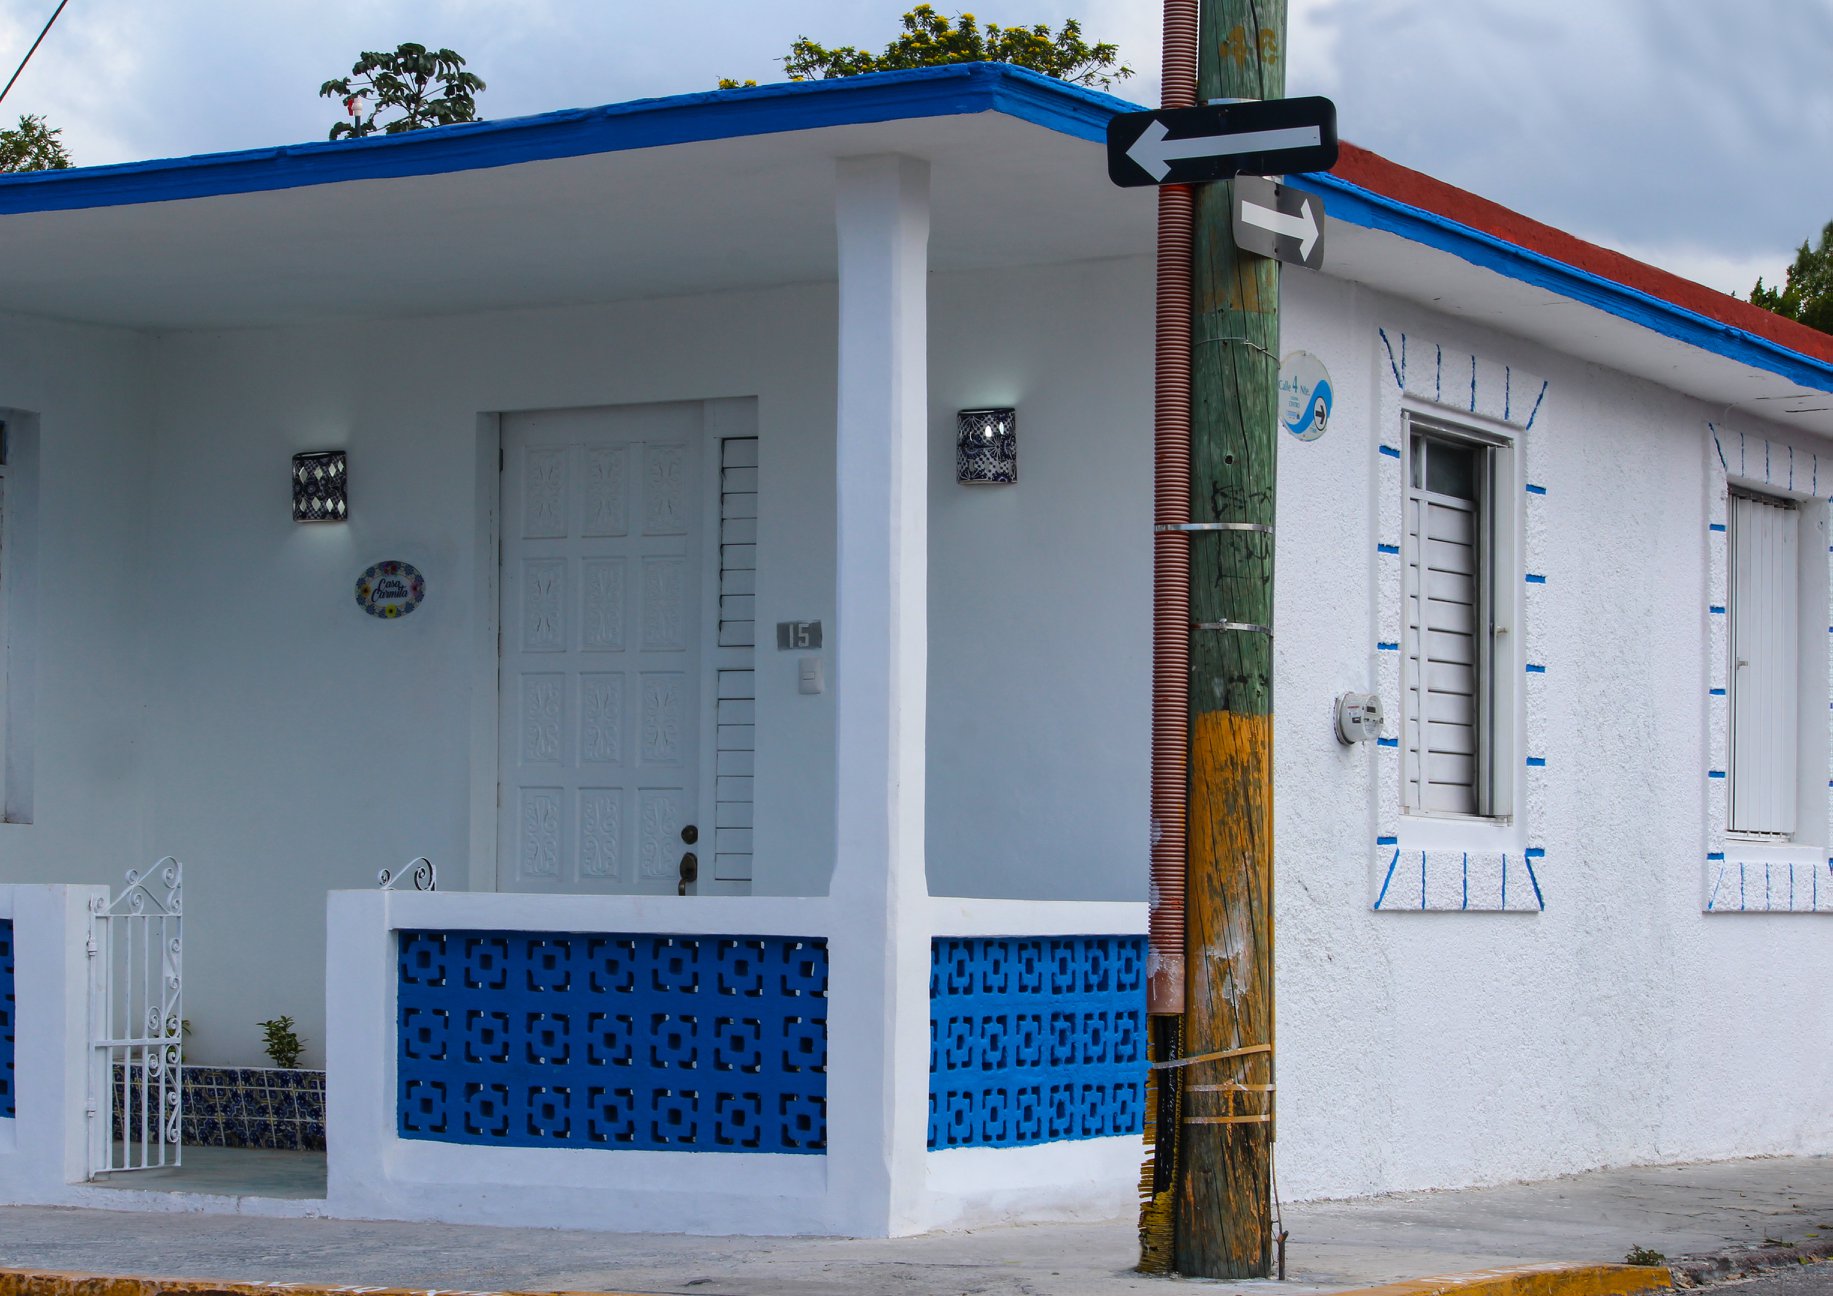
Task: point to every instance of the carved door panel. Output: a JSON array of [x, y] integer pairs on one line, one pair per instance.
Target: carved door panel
[[600, 648]]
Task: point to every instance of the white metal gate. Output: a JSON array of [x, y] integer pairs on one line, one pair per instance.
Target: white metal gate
[[136, 1023]]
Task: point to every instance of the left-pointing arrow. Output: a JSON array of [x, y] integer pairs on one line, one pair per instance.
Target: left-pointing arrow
[[1153, 153], [1302, 227]]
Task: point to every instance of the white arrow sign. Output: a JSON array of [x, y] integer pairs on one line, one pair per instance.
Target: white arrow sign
[[1154, 154], [1302, 227]]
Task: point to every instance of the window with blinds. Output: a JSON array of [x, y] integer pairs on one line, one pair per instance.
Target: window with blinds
[[1765, 663], [1452, 721]]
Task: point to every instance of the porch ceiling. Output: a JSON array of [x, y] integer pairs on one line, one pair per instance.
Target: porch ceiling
[[678, 219]]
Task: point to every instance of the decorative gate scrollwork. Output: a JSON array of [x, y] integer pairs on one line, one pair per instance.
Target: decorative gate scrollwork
[[136, 1023]]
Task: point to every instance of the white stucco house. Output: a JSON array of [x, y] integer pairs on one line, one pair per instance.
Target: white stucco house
[[656, 405]]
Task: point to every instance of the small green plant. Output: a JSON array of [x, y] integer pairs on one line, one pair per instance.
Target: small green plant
[[1641, 1255], [282, 1042]]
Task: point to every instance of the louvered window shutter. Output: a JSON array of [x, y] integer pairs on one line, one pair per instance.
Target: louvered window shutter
[[1447, 629]]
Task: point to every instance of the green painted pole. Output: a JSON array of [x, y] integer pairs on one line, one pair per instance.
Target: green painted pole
[[1224, 1222]]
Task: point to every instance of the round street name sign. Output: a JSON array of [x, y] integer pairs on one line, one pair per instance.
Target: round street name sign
[[1305, 397]]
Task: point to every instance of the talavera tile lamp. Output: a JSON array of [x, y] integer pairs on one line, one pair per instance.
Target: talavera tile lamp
[[986, 447], [321, 486]]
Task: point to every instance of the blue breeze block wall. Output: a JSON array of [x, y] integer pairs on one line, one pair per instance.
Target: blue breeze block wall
[[6, 1019], [670, 1043], [1035, 1039]]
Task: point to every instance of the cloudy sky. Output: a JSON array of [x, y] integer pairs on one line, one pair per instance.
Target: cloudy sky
[[1697, 134]]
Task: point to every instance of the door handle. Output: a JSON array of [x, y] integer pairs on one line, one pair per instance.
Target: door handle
[[690, 871]]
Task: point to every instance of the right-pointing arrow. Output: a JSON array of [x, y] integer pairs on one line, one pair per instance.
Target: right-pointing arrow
[[1154, 154], [1301, 227]]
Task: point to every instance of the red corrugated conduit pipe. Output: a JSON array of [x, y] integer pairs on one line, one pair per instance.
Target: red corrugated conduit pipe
[[1171, 546]]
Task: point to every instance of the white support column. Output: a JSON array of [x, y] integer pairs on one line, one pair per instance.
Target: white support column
[[878, 1009]]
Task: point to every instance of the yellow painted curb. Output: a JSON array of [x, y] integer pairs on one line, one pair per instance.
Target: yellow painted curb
[[1526, 1280], [43, 1282]]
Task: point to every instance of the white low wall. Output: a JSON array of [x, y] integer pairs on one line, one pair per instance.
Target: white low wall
[[1071, 1179], [42, 1146], [377, 1173]]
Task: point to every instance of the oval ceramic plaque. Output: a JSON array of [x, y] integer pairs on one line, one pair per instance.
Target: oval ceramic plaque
[[390, 589], [1305, 397]]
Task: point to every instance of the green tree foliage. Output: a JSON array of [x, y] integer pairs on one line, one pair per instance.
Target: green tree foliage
[[1807, 293], [427, 87], [931, 38], [32, 146]]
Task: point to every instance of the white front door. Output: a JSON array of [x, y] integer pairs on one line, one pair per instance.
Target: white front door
[[600, 643]]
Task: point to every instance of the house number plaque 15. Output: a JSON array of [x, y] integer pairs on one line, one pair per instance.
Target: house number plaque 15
[[794, 635]]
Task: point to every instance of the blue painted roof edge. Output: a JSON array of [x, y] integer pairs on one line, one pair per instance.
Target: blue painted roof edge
[[1358, 206], [956, 89]]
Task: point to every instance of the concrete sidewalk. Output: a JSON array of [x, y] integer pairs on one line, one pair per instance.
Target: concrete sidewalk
[[1335, 1246]]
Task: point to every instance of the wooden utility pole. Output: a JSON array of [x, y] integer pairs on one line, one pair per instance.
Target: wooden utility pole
[[1224, 1216]]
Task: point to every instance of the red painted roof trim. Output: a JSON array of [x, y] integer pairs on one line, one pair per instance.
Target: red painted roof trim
[[1375, 173]]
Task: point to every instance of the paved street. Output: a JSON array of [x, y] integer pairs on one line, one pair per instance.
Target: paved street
[[1592, 1218], [1809, 1280]]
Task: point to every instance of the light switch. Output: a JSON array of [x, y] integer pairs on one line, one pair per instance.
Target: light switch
[[809, 676]]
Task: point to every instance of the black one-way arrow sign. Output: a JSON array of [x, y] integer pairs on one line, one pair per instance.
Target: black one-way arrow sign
[[1274, 221], [1218, 141]]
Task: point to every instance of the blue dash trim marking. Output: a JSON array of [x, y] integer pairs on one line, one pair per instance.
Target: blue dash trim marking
[[1466, 903], [1386, 841], [1385, 646], [1391, 865], [1535, 412], [1473, 384], [1508, 378], [1391, 451], [1398, 380], [1537, 762], [1715, 526], [1532, 489], [1387, 548], [1717, 692], [1534, 879], [1716, 609], [1387, 742], [1438, 374], [1715, 855], [1505, 879], [1422, 881], [1715, 773], [1535, 578], [1535, 668]]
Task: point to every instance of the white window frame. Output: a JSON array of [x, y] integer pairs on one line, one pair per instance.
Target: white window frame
[[1498, 580]]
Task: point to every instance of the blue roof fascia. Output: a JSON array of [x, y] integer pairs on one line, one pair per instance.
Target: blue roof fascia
[[1358, 206], [953, 90]]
